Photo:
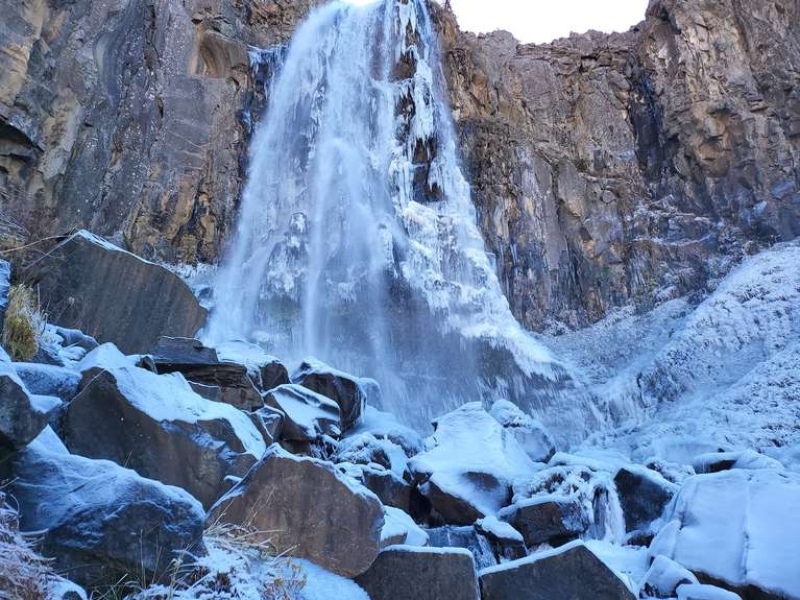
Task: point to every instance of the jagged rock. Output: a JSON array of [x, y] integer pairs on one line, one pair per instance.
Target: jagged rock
[[303, 506], [728, 528], [643, 495], [664, 577], [507, 542], [392, 490], [403, 572], [724, 461], [100, 521], [549, 519], [49, 380], [114, 295], [572, 571], [467, 538], [469, 471], [156, 425], [531, 435], [307, 416], [343, 388], [705, 592], [201, 365], [266, 370], [23, 415]]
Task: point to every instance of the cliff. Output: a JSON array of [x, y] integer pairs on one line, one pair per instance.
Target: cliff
[[606, 169]]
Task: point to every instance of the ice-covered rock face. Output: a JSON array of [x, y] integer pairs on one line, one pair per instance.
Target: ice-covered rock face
[[357, 241]]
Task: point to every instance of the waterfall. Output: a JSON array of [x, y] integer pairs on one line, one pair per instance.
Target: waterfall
[[357, 240]]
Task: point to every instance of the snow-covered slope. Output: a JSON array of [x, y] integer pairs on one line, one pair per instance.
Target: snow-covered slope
[[725, 375]]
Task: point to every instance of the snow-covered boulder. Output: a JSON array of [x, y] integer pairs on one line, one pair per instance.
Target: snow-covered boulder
[[547, 519], [400, 529], [530, 433], [345, 389], [304, 506], [266, 370], [386, 485], [643, 495], [739, 528], [405, 572], [466, 537], [664, 577], [308, 416], [269, 422], [23, 415], [714, 462], [114, 295], [507, 542], [471, 466], [49, 380], [158, 426], [100, 521], [201, 365], [572, 571]]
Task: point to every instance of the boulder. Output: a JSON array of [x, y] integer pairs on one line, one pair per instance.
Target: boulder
[[532, 436], [201, 365], [549, 519], [158, 426], [113, 295], [506, 542], [643, 496], [266, 370], [49, 380], [269, 422], [737, 528], [346, 390], [471, 465], [100, 521], [303, 506], [715, 462], [467, 538], [572, 571], [400, 529], [406, 572], [664, 577], [308, 416], [23, 415], [386, 485]]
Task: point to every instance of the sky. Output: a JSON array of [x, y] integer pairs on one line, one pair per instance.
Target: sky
[[542, 21]]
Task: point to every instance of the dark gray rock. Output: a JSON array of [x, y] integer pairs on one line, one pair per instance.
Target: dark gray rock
[[643, 495], [547, 520], [269, 422], [386, 485], [89, 284], [159, 427], [346, 390], [506, 542], [308, 416], [201, 365], [404, 572], [572, 572], [304, 507], [464, 537], [664, 577], [23, 415], [100, 521]]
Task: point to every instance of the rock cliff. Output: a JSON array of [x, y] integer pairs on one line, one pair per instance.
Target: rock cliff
[[607, 169]]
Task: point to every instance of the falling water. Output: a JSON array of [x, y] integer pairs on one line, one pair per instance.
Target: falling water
[[357, 240]]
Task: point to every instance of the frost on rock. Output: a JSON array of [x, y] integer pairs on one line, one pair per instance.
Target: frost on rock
[[738, 527], [471, 466]]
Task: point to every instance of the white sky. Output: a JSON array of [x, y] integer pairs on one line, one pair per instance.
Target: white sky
[[545, 20]]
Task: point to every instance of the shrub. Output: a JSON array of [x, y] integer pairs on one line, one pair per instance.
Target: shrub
[[24, 323]]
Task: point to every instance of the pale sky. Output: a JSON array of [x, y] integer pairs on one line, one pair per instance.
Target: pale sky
[[545, 20]]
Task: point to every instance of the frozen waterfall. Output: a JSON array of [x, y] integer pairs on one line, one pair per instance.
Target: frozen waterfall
[[357, 240]]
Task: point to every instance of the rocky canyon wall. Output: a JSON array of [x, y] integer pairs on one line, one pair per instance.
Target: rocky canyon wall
[[607, 169]]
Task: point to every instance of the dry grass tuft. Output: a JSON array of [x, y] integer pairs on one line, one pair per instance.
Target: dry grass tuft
[[24, 323]]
